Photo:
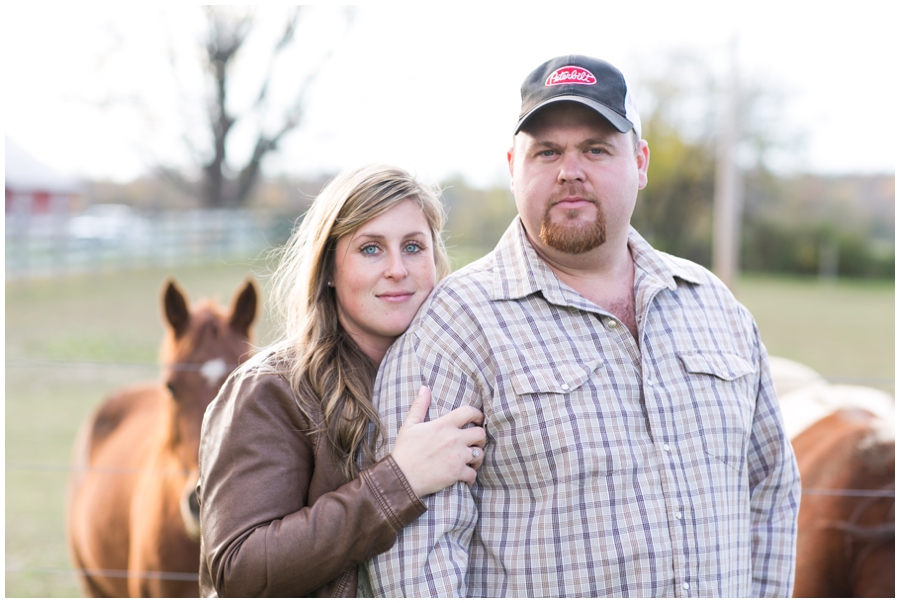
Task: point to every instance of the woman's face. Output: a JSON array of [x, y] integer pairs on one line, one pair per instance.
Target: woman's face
[[382, 274]]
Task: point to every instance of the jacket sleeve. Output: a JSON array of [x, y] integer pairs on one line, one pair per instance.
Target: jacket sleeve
[[430, 558], [774, 493], [261, 536]]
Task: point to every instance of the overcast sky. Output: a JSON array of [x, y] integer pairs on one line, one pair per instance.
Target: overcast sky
[[89, 90]]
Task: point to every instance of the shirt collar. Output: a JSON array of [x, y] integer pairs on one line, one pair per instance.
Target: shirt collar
[[664, 267], [521, 272]]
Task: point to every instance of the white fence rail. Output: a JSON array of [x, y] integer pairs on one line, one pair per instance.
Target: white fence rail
[[58, 245]]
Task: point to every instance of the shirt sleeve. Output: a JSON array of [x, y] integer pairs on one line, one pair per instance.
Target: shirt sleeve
[[430, 558], [774, 493], [262, 533]]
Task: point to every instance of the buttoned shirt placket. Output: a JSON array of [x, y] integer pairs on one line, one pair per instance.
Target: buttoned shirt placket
[[647, 287], [614, 330]]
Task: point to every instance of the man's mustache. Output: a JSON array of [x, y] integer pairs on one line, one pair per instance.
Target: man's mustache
[[572, 192]]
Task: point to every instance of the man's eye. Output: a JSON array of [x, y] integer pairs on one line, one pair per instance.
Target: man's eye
[[597, 151], [547, 153]]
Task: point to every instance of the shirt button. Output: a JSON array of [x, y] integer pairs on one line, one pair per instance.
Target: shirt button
[[677, 515], [685, 585], [564, 386], [612, 324], [649, 380], [666, 447]]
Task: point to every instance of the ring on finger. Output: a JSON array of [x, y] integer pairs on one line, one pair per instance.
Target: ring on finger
[[475, 453]]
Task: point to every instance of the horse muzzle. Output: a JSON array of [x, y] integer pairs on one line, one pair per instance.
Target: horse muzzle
[[190, 507]]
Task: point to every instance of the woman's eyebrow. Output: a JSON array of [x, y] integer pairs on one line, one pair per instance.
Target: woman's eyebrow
[[381, 237]]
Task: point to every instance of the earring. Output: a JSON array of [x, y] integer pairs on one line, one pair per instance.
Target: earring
[[330, 284]]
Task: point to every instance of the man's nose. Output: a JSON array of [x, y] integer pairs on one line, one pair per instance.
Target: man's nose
[[570, 169]]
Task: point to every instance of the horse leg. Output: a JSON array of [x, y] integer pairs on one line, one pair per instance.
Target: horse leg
[[160, 543], [80, 458], [875, 575], [89, 586], [96, 531]]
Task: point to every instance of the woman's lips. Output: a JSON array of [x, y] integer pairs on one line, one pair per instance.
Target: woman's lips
[[395, 296]]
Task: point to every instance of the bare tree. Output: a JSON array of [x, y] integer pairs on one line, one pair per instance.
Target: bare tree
[[224, 185]]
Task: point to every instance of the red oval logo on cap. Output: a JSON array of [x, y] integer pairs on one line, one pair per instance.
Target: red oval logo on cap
[[570, 74]]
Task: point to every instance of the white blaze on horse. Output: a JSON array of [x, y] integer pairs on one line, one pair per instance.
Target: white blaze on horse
[[843, 437], [132, 511]]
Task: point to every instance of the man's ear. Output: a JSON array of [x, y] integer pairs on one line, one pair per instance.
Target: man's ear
[[643, 163], [509, 161]]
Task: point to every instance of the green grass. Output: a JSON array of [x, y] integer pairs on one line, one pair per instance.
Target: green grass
[[71, 342], [844, 330]]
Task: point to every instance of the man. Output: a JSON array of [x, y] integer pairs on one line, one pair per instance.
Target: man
[[635, 446]]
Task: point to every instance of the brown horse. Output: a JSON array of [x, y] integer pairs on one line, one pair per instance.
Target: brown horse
[[845, 532], [843, 438], [132, 526]]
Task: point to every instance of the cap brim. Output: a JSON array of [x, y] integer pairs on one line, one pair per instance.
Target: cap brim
[[619, 123]]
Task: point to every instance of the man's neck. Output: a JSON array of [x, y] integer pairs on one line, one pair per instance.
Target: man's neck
[[604, 275]]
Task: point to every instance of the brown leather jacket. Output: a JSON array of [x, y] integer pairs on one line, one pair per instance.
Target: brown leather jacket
[[277, 518]]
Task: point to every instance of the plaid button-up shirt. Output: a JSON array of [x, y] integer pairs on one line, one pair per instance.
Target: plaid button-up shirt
[[613, 467]]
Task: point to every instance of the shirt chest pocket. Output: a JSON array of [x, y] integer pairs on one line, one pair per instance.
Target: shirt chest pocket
[[722, 390], [560, 379], [549, 424]]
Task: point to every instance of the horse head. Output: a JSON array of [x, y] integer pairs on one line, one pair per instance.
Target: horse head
[[201, 347]]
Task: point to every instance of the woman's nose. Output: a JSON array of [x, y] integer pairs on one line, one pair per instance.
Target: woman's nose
[[396, 268]]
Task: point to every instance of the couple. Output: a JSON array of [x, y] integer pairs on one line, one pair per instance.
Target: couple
[[621, 399]]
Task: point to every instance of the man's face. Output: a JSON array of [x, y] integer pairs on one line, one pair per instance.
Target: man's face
[[575, 178]]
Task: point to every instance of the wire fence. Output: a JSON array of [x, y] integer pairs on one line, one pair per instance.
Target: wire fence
[[24, 466], [106, 573], [882, 382]]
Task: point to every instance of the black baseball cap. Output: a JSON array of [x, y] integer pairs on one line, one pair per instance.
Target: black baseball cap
[[577, 78]]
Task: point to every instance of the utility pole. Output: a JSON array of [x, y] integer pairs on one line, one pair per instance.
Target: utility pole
[[727, 200]]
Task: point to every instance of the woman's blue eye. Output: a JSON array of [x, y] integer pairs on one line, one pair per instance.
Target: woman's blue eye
[[412, 247], [370, 249]]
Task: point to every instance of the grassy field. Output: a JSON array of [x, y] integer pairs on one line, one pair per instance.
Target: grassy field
[[70, 342], [844, 329]]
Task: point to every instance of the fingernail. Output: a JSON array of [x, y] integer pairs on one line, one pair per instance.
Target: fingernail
[[423, 389]]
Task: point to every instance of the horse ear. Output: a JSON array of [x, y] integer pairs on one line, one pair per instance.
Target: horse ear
[[243, 311], [176, 308]]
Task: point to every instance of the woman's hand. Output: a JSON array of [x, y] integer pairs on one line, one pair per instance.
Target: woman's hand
[[436, 454]]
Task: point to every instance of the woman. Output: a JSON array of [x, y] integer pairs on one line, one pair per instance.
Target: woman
[[285, 509]]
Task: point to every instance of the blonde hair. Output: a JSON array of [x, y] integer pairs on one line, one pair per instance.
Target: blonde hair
[[325, 365]]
